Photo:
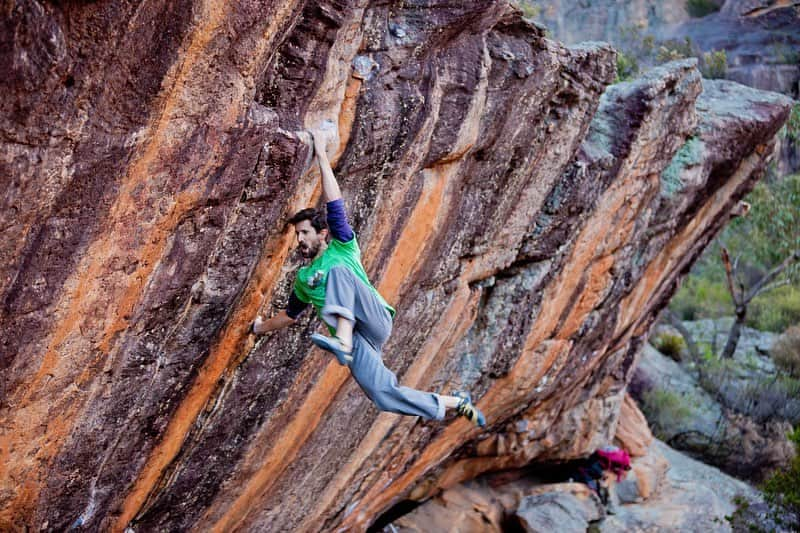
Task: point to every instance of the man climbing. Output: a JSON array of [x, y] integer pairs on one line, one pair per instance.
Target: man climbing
[[336, 284]]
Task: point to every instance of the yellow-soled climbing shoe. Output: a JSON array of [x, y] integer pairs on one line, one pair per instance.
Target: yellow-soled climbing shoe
[[468, 410]]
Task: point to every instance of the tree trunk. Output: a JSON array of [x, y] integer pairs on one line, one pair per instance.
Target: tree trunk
[[736, 331]]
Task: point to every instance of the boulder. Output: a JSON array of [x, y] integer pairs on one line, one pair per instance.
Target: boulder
[[527, 221], [558, 511]]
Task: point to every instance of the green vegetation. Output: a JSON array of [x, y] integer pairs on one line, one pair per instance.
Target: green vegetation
[[670, 344], [776, 310], [771, 231], [757, 242], [702, 296], [785, 54], [529, 9], [701, 8], [674, 49], [714, 65], [791, 130], [734, 384], [637, 51], [627, 67], [782, 490], [662, 408], [739, 515], [786, 351]]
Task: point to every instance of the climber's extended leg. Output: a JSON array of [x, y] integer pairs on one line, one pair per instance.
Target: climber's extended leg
[[348, 298]]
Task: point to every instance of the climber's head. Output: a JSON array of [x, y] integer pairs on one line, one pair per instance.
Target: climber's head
[[311, 229]]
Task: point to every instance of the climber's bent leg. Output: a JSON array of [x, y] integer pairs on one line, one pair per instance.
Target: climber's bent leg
[[349, 298]]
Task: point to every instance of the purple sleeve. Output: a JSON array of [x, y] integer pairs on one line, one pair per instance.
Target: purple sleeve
[[295, 306], [337, 221]]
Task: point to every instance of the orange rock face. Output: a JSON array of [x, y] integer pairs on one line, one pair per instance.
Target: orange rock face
[[633, 434], [526, 230]]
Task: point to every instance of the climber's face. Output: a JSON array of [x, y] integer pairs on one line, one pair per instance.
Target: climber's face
[[309, 240]]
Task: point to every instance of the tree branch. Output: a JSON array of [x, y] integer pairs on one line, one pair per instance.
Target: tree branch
[[771, 275], [726, 261]]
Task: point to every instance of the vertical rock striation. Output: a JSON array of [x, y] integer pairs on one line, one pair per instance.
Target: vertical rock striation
[[527, 229]]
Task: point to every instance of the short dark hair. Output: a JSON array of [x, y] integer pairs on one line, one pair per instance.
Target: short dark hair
[[316, 218]]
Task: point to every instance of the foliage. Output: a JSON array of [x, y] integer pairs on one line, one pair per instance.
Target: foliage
[[771, 231], [775, 310], [669, 344], [785, 54], [638, 51], [702, 297], [627, 67], [786, 351], [762, 399], [782, 490], [674, 49], [714, 64], [758, 242], [791, 130], [529, 10], [738, 515], [701, 8], [635, 51], [662, 407]]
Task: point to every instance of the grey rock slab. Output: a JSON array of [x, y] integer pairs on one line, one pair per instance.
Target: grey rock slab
[[558, 511]]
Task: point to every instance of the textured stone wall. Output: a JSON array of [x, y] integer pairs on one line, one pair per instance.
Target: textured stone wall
[[526, 229]]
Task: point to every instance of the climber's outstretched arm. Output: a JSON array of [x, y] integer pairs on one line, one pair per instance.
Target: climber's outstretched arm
[[330, 188], [281, 320]]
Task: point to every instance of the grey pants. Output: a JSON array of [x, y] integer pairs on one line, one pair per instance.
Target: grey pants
[[348, 297]]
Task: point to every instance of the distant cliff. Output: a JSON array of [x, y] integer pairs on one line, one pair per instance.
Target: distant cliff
[[527, 223]]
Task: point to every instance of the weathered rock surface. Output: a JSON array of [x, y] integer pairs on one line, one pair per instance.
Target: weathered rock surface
[[574, 21], [633, 434], [761, 38], [708, 426], [527, 230], [558, 511], [682, 495], [692, 497]]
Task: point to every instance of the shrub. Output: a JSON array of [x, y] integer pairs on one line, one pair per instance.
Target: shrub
[[782, 490], [785, 54], [528, 10], [663, 409], [775, 310], [791, 130], [761, 399], [627, 67], [714, 65], [673, 49], [702, 297], [786, 351], [669, 344], [701, 8]]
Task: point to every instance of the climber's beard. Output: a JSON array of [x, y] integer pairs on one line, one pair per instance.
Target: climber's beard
[[309, 251]]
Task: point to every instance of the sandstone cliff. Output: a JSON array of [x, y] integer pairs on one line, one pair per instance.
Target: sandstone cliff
[[527, 230], [761, 38]]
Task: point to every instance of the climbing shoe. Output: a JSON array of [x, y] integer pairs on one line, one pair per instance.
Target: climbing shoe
[[333, 345], [468, 410]]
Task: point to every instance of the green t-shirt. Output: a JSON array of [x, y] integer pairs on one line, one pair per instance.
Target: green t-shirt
[[309, 286]]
